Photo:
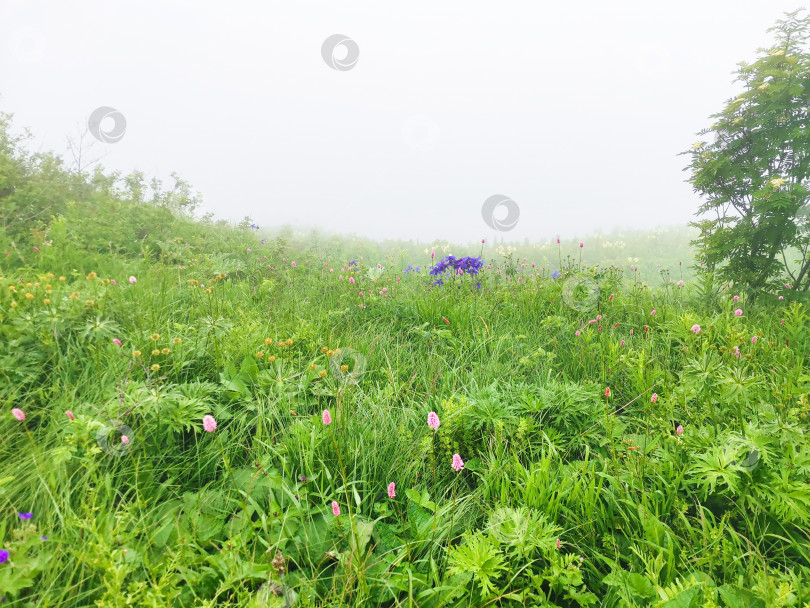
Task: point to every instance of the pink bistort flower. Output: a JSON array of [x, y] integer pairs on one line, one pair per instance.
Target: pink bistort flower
[[335, 508], [433, 421], [18, 414], [209, 424], [392, 490], [458, 463], [327, 417]]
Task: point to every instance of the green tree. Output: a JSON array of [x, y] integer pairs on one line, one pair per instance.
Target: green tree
[[753, 176]]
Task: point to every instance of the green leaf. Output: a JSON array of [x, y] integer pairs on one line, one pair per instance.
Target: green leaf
[[736, 597]]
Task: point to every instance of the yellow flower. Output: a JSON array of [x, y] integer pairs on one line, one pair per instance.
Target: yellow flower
[[289, 341], [46, 301], [259, 355], [74, 295], [697, 145], [136, 353], [28, 284], [89, 303], [193, 282], [156, 352], [29, 295], [324, 350], [50, 275], [63, 279], [209, 290], [13, 304], [154, 367], [154, 337], [344, 368], [165, 351], [91, 276], [777, 182], [177, 340], [12, 288], [313, 367], [330, 353], [271, 358], [268, 340], [322, 373], [336, 351]]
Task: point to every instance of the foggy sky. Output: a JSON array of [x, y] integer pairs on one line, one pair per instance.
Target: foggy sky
[[576, 111]]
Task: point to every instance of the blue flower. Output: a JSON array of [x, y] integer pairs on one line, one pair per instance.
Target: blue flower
[[24, 516], [451, 265], [263, 241], [555, 274], [353, 263], [3, 556]]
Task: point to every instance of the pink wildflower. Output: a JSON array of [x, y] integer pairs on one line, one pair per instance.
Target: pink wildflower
[[680, 283], [117, 342], [679, 430], [458, 463], [124, 439], [133, 280], [335, 508], [209, 424], [70, 415], [433, 421], [754, 340], [351, 279], [327, 417], [696, 328], [18, 414], [392, 490], [654, 398], [738, 312]]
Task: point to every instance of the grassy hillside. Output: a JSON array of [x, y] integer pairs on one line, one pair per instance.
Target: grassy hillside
[[601, 436]]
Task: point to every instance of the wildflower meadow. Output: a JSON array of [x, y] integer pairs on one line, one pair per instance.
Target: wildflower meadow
[[196, 413]]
